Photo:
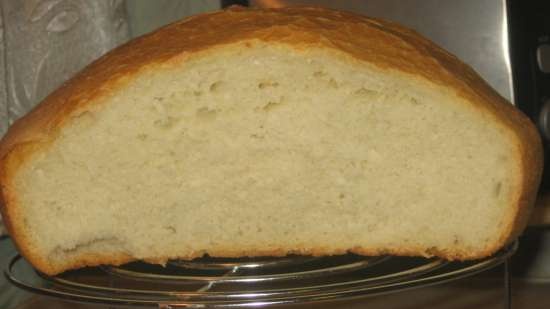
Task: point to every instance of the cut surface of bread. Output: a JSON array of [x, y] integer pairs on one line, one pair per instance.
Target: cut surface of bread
[[287, 138]]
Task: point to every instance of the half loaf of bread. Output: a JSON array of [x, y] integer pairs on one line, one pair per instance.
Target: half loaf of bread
[[252, 132]]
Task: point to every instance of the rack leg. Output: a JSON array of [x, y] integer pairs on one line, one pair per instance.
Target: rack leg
[[507, 285]]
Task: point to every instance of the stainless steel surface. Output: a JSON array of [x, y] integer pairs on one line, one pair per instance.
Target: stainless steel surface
[[146, 15], [476, 31], [46, 42], [3, 88], [544, 119], [543, 57], [303, 281]]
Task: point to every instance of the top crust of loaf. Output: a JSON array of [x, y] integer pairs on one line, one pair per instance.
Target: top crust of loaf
[[380, 43]]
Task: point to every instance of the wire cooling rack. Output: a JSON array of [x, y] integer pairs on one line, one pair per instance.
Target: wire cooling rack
[[255, 282]]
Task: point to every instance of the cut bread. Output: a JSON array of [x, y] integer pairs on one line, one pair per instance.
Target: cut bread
[[252, 132]]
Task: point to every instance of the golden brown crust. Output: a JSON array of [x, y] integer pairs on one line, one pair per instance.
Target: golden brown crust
[[532, 165], [380, 43], [11, 217]]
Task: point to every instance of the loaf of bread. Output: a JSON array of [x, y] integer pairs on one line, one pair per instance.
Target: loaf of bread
[[250, 132]]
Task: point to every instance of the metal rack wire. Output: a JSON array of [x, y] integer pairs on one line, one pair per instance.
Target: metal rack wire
[[215, 282]]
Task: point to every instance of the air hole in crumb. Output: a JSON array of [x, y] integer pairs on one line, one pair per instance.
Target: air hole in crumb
[[455, 240], [166, 123], [333, 83], [256, 136], [342, 195], [498, 188], [319, 74], [415, 101], [171, 229], [197, 93], [365, 92], [215, 86], [85, 120], [270, 106], [142, 136], [204, 113], [267, 84]]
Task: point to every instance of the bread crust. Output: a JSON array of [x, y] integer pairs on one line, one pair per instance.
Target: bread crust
[[383, 44]]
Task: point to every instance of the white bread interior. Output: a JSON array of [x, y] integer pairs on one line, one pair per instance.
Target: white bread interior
[[267, 149]]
